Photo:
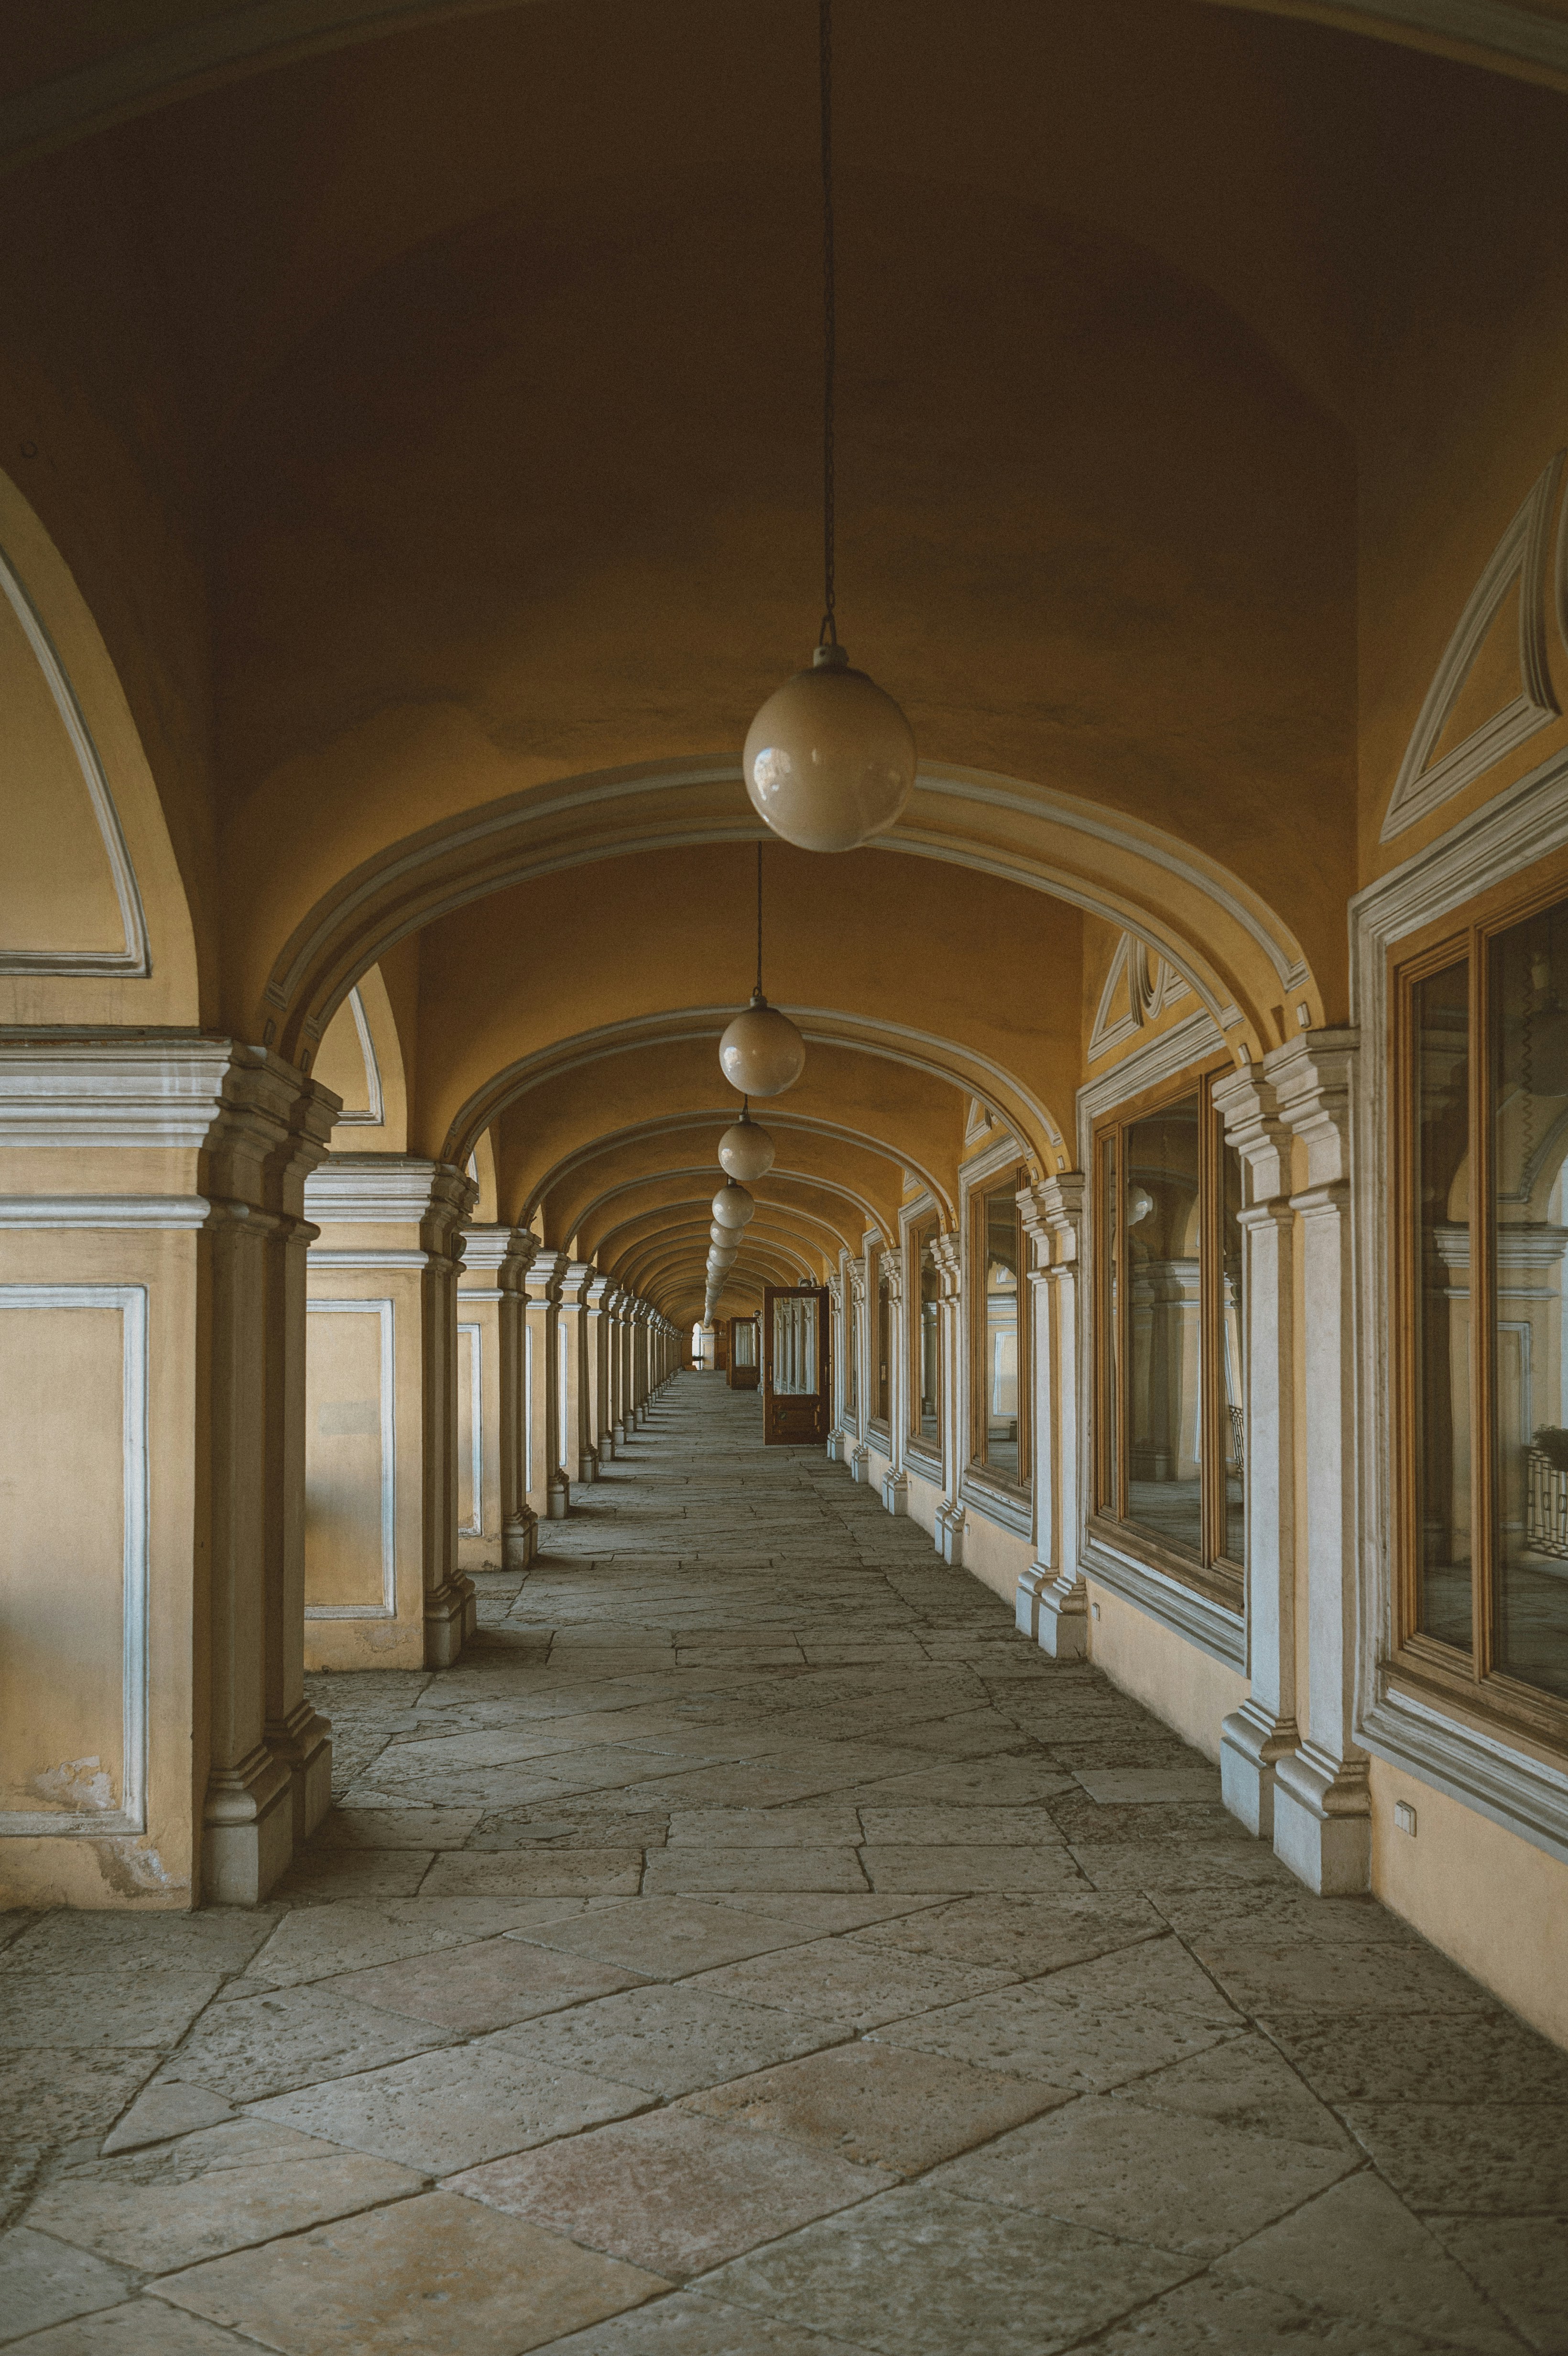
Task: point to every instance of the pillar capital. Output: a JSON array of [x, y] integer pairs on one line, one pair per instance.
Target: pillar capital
[[546, 1271], [1254, 1126], [893, 1268], [1312, 1078], [1052, 1216], [947, 1257]]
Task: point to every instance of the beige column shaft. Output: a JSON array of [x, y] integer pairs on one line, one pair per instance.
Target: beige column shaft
[[1053, 1605]]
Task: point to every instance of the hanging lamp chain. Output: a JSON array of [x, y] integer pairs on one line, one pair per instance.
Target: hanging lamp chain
[[759, 920], [829, 632]]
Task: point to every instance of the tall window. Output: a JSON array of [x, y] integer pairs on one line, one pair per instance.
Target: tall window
[[999, 1327], [925, 1336], [851, 1351], [1170, 1324], [881, 1384], [1480, 1252]]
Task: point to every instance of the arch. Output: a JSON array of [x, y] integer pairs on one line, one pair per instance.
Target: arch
[[97, 929]]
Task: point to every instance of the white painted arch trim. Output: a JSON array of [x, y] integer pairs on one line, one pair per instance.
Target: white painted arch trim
[[384, 1312], [133, 961], [375, 1113], [130, 1816]]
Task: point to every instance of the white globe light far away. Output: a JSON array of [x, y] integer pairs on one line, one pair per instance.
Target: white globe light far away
[[761, 1053], [745, 1150], [829, 758], [718, 1235], [732, 1205]]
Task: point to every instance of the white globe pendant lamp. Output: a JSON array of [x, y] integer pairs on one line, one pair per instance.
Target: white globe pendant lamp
[[734, 1206], [745, 1150], [761, 1053], [718, 1235], [829, 759]]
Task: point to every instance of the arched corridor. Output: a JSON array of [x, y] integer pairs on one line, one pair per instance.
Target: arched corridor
[[753, 1909]]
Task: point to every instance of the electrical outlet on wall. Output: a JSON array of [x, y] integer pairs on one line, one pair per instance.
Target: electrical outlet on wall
[[1404, 1817]]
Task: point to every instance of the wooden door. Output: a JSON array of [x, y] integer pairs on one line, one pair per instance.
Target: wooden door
[[794, 1365], [744, 1371]]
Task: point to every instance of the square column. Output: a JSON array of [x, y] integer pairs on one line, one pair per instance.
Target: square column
[[600, 1418], [491, 1342], [550, 1485], [152, 1259], [385, 1590], [578, 1452], [947, 1533], [839, 1441], [1322, 1819], [1255, 1738], [1052, 1602], [859, 1457], [895, 1483]]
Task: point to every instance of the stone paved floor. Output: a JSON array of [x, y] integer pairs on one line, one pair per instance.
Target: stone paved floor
[[756, 1949]]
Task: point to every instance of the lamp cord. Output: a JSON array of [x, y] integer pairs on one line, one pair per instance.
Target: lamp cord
[[759, 920], [829, 633]]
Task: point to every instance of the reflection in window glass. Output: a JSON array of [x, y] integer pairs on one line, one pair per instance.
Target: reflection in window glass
[[851, 1352], [1160, 1224], [925, 1336], [1441, 1017], [1000, 1341], [1234, 1336], [1528, 1119], [795, 1361], [1110, 1333], [884, 1339], [745, 1344]]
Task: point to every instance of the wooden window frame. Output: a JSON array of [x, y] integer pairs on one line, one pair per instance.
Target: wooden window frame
[[981, 1193], [1210, 1572], [1473, 1688], [920, 1233]]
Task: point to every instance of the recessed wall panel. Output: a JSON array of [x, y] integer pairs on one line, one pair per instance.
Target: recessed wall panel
[[349, 1460]]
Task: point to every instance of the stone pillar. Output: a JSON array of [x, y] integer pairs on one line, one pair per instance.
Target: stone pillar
[[615, 1347], [484, 1252], [895, 1483], [839, 1441], [947, 1533], [1255, 1738], [601, 1420], [520, 1523], [859, 1457], [1053, 1605], [549, 1487], [578, 1452], [1322, 1823], [640, 1360]]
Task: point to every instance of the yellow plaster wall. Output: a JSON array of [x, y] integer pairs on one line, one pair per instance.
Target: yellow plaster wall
[[1186, 1688], [1496, 1903], [997, 1558]]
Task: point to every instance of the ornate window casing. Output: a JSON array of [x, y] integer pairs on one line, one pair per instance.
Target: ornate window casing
[[925, 1385], [880, 1340], [1463, 1719], [1477, 1238], [1169, 1461], [1000, 1366]]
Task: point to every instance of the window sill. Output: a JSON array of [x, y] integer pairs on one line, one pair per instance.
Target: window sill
[[1009, 1507], [1521, 1791], [1173, 1596]]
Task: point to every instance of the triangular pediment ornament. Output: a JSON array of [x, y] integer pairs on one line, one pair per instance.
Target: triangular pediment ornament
[[1519, 560], [1140, 985], [977, 1121]]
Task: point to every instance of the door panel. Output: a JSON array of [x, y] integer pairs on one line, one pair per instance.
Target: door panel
[[794, 1365], [744, 1370]]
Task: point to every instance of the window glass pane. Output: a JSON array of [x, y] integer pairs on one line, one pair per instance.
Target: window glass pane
[[1234, 1343], [1528, 1003], [746, 1344], [1110, 1337], [1160, 1223], [795, 1346], [999, 1359], [924, 1336], [1440, 1044], [885, 1337], [851, 1351]]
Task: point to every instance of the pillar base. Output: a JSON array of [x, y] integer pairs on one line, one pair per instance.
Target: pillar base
[[521, 1540], [860, 1460], [558, 1497], [1252, 1744], [837, 1447], [302, 1744], [947, 1533], [607, 1448], [1054, 1611], [588, 1466], [1322, 1822], [447, 1622], [895, 1493], [247, 1830]]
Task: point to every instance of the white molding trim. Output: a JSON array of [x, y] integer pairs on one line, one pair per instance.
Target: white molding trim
[[371, 1190], [375, 1116], [104, 1210], [164, 1092], [388, 1257], [1192, 1616], [135, 961], [1482, 1771], [1193, 1040], [130, 1816], [475, 1528], [1152, 983], [1011, 1510], [1519, 555], [388, 1607]]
